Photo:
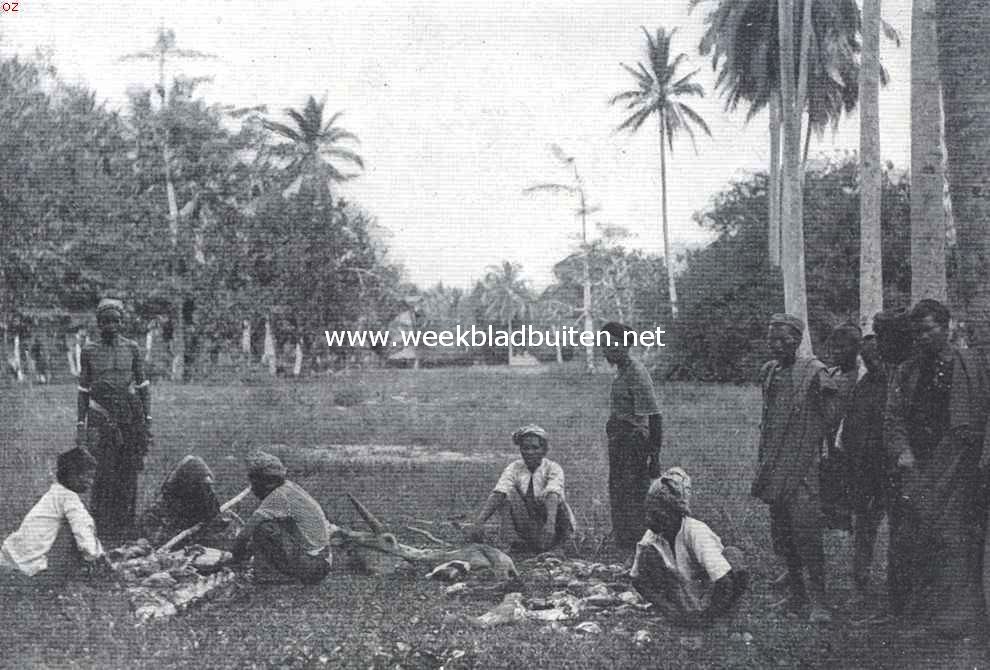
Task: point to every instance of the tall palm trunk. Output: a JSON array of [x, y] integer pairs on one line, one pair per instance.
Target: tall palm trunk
[[963, 55], [927, 171], [179, 326], [773, 194], [270, 356], [870, 176], [668, 260], [792, 226], [589, 349]]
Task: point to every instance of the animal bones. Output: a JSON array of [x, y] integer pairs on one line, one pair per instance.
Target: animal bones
[[160, 584], [379, 552]]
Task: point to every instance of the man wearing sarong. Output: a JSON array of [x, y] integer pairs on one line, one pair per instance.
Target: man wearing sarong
[[680, 565], [869, 485], [114, 418], [874, 479], [934, 427], [288, 534], [843, 348], [187, 498], [530, 497], [798, 408], [633, 432]]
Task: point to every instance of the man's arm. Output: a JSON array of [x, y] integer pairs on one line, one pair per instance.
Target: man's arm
[[141, 383], [551, 503], [82, 398], [492, 504], [83, 529], [895, 425], [241, 547]]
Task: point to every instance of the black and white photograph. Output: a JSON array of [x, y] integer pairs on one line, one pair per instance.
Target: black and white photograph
[[423, 334]]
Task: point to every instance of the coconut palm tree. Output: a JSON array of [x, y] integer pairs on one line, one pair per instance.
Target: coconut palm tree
[[963, 52], [658, 93], [506, 295], [163, 51], [749, 40], [928, 278], [576, 188], [313, 149]]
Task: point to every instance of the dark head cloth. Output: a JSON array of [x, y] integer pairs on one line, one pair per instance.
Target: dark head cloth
[[616, 330], [75, 460], [781, 319], [848, 328], [110, 305], [893, 320], [263, 464]]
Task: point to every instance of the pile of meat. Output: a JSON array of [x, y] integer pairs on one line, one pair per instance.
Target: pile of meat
[[161, 584], [573, 594]]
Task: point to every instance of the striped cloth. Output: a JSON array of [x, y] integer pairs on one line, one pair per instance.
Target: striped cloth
[[290, 501]]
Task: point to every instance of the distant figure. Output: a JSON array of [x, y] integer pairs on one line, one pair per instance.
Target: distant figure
[[40, 358], [288, 534], [634, 435], [530, 496], [27, 550], [934, 427], [114, 419], [680, 565], [798, 406]]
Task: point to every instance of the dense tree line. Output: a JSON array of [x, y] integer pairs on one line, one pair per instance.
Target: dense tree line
[[85, 212]]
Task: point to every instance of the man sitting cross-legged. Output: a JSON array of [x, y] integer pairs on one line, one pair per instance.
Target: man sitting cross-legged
[[530, 497], [680, 565], [288, 534]]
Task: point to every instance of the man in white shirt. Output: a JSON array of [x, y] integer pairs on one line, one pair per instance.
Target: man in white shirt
[[27, 549], [530, 497], [681, 565]]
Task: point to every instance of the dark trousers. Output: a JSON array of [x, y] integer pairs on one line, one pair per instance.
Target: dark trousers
[[279, 544], [796, 529], [628, 482], [114, 494]]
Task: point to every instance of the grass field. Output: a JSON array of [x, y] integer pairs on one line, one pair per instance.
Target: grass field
[[357, 621]]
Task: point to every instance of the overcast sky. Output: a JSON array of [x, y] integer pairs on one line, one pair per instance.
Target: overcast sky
[[456, 105]]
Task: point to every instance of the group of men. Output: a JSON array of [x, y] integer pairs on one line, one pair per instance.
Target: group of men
[[895, 428]]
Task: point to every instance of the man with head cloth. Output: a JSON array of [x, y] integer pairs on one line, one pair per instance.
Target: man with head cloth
[[798, 408], [634, 433], [680, 565], [288, 534], [114, 418], [530, 496]]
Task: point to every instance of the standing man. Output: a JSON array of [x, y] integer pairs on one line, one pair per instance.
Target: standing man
[[868, 478], [114, 418], [798, 406], [843, 349], [634, 436], [934, 427]]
